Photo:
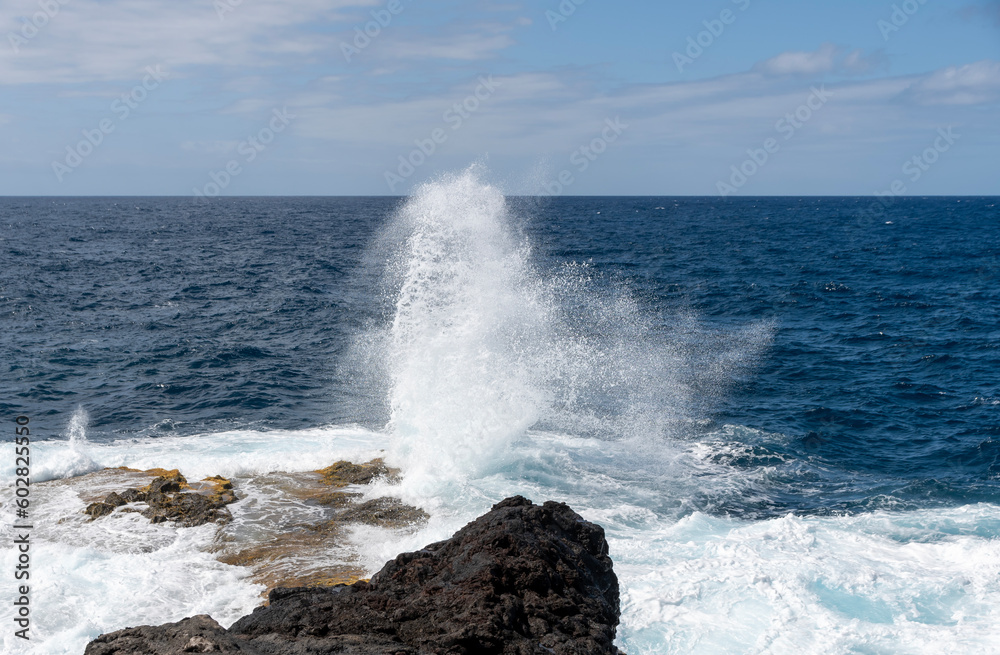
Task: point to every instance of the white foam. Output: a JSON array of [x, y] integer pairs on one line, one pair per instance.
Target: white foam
[[70, 461], [916, 582], [197, 456], [813, 585], [885, 582], [93, 577]]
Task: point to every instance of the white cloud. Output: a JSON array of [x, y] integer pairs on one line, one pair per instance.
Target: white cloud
[[857, 63], [542, 113], [112, 40], [461, 42], [102, 40], [801, 63], [972, 84], [210, 147], [461, 47], [828, 58]]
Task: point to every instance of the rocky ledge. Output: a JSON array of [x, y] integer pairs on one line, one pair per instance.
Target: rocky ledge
[[170, 498], [522, 579]]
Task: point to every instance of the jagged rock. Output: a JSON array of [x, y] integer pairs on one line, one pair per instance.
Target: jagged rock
[[197, 634], [167, 484], [171, 498], [219, 481], [133, 495], [97, 510], [186, 509], [115, 500], [522, 579]]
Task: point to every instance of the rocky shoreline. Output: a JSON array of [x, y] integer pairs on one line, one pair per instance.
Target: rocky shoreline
[[278, 559], [521, 579]]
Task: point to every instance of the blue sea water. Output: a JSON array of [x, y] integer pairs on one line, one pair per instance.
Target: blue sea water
[[784, 411]]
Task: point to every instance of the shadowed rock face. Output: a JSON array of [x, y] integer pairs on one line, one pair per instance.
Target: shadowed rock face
[[521, 579]]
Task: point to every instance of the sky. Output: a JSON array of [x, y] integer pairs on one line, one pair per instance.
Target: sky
[[575, 97]]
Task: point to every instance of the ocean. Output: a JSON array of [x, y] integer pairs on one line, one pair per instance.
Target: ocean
[[785, 412]]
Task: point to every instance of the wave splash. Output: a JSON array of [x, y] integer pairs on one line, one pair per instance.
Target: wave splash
[[484, 344], [69, 458]]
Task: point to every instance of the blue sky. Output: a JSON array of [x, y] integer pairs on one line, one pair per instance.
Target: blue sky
[[247, 97]]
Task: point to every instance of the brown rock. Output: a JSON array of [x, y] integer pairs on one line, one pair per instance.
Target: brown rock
[[97, 510], [343, 473], [171, 498]]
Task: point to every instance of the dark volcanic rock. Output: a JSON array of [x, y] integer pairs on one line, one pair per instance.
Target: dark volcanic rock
[[197, 634], [522, 579], [97, 510]]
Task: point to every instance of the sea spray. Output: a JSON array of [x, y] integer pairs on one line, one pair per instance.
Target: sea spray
[[70, 458], [469, 321], [483, 344], [76, 431]]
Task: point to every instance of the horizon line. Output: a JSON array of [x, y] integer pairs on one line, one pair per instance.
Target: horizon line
[[511, 195]]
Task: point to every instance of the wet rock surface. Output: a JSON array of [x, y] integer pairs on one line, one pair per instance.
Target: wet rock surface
[[313, 554], [386, 512], [169, 497], [521, 579], [343, 473]]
